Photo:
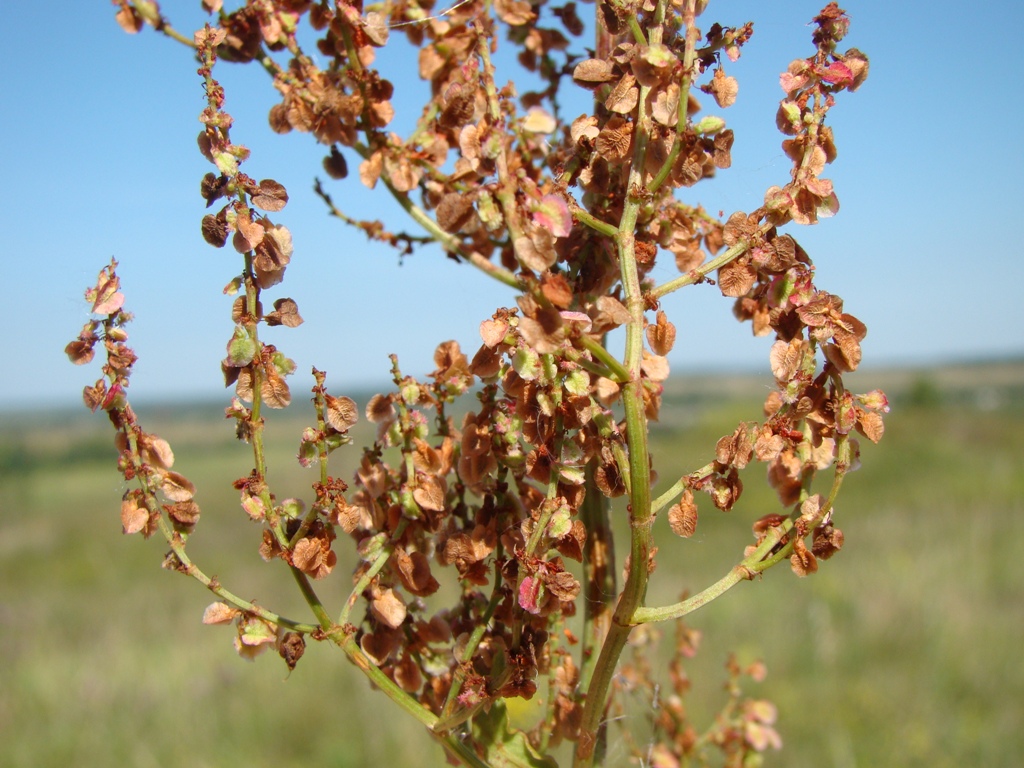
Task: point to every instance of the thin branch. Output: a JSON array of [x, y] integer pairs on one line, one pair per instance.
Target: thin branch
[[697, 275]]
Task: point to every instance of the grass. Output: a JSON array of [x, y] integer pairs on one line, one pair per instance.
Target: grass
[[903, 650]]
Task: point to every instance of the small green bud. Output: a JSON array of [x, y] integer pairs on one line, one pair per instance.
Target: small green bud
[[710, 125], [577, 383], [291, 508], [226, 163], [241, 348]]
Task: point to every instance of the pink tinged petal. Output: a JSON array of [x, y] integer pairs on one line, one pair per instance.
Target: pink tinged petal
[[529, 593], [109, 304], [836, 73], [552, 213], [578, 318]]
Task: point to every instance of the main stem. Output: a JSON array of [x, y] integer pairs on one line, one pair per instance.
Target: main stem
[[640, 517]]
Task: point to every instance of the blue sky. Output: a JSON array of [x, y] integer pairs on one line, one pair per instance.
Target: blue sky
[[99, 159]]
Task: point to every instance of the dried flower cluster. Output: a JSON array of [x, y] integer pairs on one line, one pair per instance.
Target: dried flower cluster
[[509, 503]]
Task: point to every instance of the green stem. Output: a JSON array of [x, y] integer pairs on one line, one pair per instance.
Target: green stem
[[474, 641], [161, 25], [668, 496], [451, 743], [505, 193], [680, 485], [598, 577], [637, 32], [735, 576], [598, 350], [689, 59], [759, 561], [191, 569], [371, 572], [446, 240], [321, 425], [309, 594], [584, 217], [596, 369], [640, 517]]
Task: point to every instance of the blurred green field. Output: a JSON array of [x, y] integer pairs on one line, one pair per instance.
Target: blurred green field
[[904, 650]]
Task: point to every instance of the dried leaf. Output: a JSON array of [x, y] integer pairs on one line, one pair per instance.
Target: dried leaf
[[614, 310], [723, 88], [532, 256], [129, 19], [378, 645], [430, 493], [653, 65], [514, 12], [584, 127], [736, 449], [827, 541], [274, 390], [220, 613], [408, 675], [335, 164], [414, 571], [557, 290], [134, 517], [270, 196], [215, 229], [607, 391], [737, 277], [615, 140], [624, 96], [592, 72], [870, 425], [342, 412], [312, 555], [177, 487], [184, 513], [454, 211], [682, 516], [655, 367], [106, 297], [286, 313], [562, 585], [248, 233], [376, 28], [539, 120], [662, 335], [370, 169], [291, 648], [156, 451], [722, 155], [845, 352], [348, 516], [802, 561], [665, 108], [785, 358], [402, 173], [459, 106], [389, 608], [544, 333], [80, 352], [380, 410], [493, 332]]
